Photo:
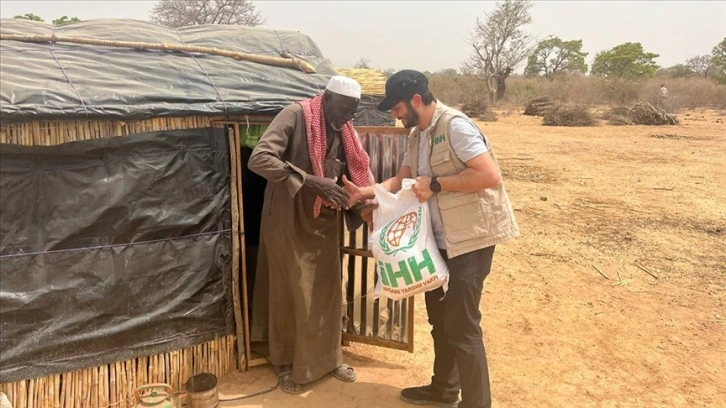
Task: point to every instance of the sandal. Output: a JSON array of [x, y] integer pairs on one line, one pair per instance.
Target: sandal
[[288, 385], [344, 373]]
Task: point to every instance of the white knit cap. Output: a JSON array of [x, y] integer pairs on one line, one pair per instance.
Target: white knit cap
[[343, 85]]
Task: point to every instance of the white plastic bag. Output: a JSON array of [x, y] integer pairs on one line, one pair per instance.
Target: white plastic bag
[[408, 261]]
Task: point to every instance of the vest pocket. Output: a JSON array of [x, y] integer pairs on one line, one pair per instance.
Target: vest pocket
[[441, 162], [462, 215], [440, 156]]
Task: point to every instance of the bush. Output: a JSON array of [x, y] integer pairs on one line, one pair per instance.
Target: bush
[[684, 93], [479, 109]]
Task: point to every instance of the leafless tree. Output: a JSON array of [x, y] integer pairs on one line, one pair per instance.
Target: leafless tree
[[700, 64], [500, 44], [362, 63], [179, 13]]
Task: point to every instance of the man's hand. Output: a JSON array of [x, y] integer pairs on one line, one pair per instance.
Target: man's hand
[[327, 190], [422, 188], [367, 214], [354, 192]]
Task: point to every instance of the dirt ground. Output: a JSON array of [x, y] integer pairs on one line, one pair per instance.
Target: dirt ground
[[614, 294]]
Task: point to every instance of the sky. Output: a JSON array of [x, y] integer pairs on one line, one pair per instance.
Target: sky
[[433, 35]]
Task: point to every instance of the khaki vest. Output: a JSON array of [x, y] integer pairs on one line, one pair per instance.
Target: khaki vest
[[474, 220]]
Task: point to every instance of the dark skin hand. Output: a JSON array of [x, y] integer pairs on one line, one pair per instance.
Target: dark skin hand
[[355, 194], [328, 190]]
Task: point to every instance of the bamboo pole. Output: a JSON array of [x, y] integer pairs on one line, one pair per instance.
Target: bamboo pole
[[71, 384], [77, 395], [86, 389], [285, 60], [31, 393], [104, 400], [113, 396]]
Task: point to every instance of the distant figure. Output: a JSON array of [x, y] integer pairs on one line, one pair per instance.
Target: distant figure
[[663, 91], [663, 99]]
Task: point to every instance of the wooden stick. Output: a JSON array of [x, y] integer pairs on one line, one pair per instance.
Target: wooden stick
[[113, 397], [31, 393], [286, 60], [233, 150], [245, 299], [601, 272], [646, 271]]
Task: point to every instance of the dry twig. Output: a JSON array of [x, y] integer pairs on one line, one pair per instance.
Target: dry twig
[[646, 270], [601, 272]]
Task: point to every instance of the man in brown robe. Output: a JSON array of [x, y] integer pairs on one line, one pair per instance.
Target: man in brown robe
[[305, 153]]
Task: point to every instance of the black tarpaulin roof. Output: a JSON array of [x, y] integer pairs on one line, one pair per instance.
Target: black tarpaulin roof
[[60, 80]]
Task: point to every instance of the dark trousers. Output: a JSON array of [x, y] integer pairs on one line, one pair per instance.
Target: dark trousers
[[460, 361]]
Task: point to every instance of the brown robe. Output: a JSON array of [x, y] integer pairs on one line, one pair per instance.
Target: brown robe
[[297, 300]]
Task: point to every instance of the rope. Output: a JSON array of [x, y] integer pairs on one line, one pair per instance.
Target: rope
[[219, 95], [73, 86], [286, 54], [359, 297], [111, 246]]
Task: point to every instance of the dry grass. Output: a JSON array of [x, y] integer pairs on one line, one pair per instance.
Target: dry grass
[[684, 94]]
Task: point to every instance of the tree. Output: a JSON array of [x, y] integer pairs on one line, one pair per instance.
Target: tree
[[30, 16], [447, 72], [627, 60], [500, 44], [676, 71], [388, 72], [553, 57], [718, 59], [57, 22], [700, 64], [362, 63], [65, 20], [179, 13]]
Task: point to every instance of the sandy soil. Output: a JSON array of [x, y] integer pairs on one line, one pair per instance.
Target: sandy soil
[[621, 200]]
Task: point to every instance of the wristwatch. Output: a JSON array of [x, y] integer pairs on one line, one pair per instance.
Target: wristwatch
[[435, 186]]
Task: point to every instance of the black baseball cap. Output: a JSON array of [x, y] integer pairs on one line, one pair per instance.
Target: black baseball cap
[[402, 86]]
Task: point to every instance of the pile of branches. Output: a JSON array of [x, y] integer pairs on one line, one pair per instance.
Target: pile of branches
[[539, 106], [478, 109], [642, 113], [564, 115]]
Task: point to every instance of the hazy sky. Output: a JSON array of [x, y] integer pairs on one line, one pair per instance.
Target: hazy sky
[[432, 35]]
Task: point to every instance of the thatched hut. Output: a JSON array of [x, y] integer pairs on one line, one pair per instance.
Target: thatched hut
[[124, 228], [373, 90]]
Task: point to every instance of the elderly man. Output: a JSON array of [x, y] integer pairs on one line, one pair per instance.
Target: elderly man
[[305, 154], [457, 173]]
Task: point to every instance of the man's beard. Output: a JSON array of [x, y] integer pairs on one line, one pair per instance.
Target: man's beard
[[412, 117]]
